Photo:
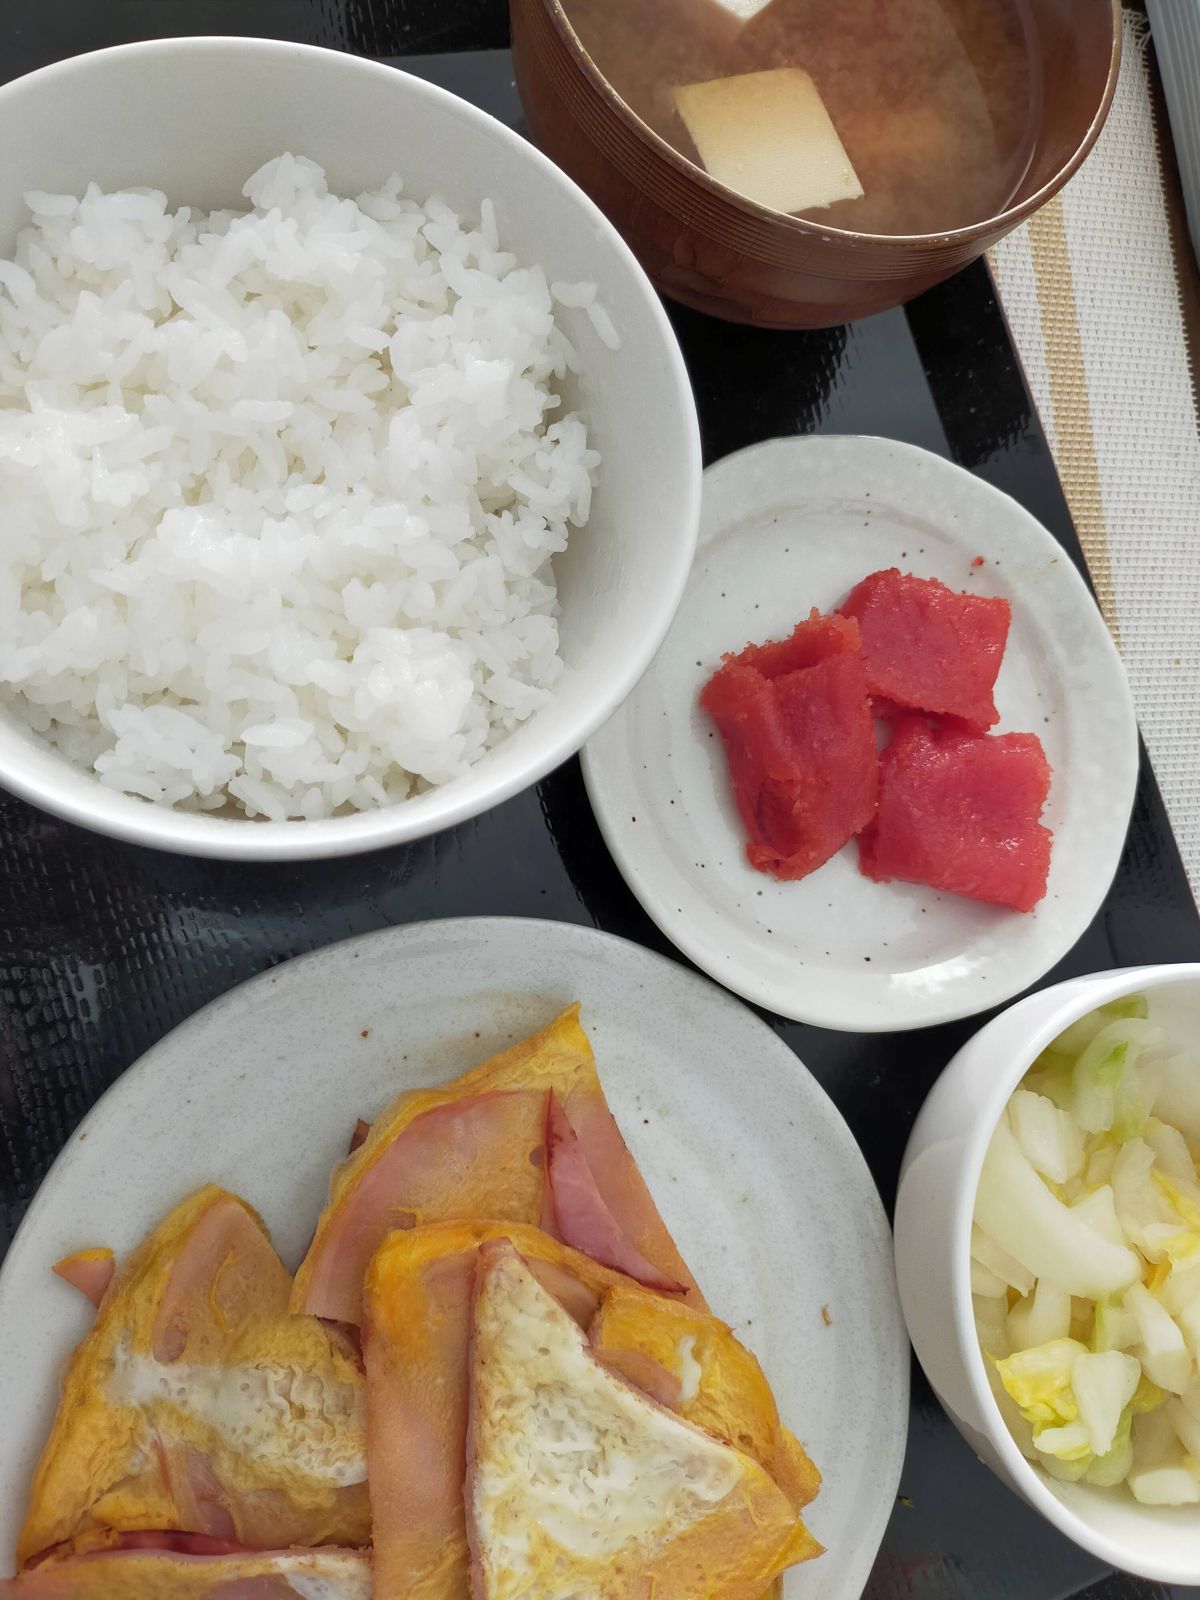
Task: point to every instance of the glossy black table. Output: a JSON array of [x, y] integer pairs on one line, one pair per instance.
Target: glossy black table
[[105, 947]]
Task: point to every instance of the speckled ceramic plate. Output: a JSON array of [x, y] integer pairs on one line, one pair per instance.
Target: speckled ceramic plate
[[756, 1173], [793, 524]]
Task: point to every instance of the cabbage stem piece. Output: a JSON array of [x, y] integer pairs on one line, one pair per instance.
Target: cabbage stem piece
[[1019, 1212], [1098, 1209], [1165, 1486], [1045, 1315], [1104, 1384], [1178, 1099], [1149, 1219], [988, 1253], [1050, 1140], [1164, 1354], [1106, 1092], [1187, 1425], [1113, 1467], [1114, 1328], [1075, 1039]]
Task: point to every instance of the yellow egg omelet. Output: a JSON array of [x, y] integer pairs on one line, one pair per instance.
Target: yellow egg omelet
[[197, 1403]]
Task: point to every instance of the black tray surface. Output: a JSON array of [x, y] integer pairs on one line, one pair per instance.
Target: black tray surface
[[105, 947]]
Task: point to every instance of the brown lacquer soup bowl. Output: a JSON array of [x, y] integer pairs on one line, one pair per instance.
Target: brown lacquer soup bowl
[[707, 246]]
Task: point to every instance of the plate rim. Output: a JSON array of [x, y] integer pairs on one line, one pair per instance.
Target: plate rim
[[846, 1152], [706, 956]]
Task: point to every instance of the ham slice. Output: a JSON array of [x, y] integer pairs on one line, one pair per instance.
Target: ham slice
[[581, 1215], [644, 1373], [467, 1156], [175, 1573], [89, 1271], [220, 1274], [201, 1500], [172, 1415], [476, 1148], [191, 1544]]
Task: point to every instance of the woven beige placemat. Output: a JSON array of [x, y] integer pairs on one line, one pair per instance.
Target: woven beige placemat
[[1095, 296]]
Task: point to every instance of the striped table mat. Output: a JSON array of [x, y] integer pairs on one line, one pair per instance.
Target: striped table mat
[[1100, 289]]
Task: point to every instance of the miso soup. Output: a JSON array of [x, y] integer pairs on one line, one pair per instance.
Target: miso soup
[[877, 116]]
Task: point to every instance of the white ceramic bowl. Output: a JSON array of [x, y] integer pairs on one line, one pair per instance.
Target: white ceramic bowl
[[938, 1181], [195, 117]]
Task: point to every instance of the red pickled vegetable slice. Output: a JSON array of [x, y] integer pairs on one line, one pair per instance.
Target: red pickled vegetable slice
[[960, 812], [798, 737], [927, 648]]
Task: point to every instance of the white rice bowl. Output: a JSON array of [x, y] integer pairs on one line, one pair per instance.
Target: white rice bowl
[[281, 491]]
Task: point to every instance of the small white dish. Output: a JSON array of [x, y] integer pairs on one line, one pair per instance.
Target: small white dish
[[756, 1173], [934, 1207], [793, 524]]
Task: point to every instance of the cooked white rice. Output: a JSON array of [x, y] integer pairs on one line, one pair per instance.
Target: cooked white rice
[[280, 491]]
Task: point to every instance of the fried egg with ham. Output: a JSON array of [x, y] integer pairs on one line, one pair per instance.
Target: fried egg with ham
[[196, 1403], [418, 1301], [520, 1393], [579, 1485]]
